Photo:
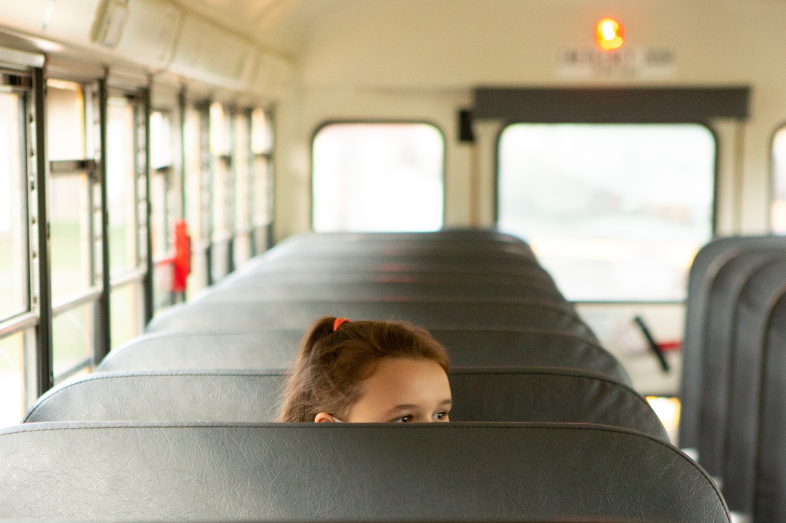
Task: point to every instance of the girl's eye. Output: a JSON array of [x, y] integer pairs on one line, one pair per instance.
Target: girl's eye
[[441, 416], [404, 419]]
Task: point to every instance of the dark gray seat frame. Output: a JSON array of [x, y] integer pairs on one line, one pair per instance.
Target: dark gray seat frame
[[127, 472]]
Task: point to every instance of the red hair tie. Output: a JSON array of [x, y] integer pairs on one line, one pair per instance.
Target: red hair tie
[[338, 322]]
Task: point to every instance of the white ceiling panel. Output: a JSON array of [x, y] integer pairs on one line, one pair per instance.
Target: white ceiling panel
[[281, 25]]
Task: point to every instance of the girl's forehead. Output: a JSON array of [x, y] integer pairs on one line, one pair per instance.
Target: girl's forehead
[[395, 376], [395, 365]]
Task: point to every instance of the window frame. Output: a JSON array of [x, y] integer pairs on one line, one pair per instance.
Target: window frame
[[89, 165], [23, 73], [22, 102], [25, 77], [34, 323]]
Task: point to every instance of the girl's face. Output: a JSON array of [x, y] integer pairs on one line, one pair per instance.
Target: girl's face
[[401, 390]]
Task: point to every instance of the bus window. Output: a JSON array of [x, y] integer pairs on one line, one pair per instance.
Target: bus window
[[121, 189], [262, 150], [73, 340], [70, 237], [221, 190], [126, 314], [163, 196], [195, 204], [160, 164], [778, 213], [13, 221], [124, 191], [378, 177], [614, 212], [241, 151], [69, 192], [11, 379], [13, 256], [668, 411]]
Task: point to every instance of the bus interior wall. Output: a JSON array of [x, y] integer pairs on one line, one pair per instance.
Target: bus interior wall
[[315, 63]]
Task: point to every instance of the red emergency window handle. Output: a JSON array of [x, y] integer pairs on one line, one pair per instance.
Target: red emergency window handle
[[182, 260]]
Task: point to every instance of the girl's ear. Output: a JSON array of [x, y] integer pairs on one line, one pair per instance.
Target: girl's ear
[[323, 417]]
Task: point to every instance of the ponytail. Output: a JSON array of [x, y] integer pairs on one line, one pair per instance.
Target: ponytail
[[337, 355], [322, 328]]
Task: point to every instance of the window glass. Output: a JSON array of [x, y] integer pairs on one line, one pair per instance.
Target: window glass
[[263, 200], [13, 219], [240, 156], [160, 140], [221, 190], [161, 166], [243, 190], [11, 384], [668, 411], [161, 230], [378, 177], [218, 142], [193, 173], [614, 212], [69, 235], [72, 378], [158, 222], [72, 338], [779, 182], [69, 212], [261, 132], [65, 121], [121, 191], [262, 182], [126, 318], [163, 276], [194, 198]]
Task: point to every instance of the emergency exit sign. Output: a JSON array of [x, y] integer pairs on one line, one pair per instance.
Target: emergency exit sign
[[590, 62]]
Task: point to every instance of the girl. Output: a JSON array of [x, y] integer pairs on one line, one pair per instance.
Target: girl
[[367, 372]]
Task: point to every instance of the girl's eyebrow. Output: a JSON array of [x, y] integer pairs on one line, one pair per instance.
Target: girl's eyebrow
[[408, 406], [403, 407]]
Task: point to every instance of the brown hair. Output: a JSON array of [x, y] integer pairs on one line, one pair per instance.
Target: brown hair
[[331, 365]]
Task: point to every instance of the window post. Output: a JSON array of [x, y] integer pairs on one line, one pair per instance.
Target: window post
[[149, 267], [39, 168], [103, 332]]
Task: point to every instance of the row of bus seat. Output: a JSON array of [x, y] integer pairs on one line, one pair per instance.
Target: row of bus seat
[[275, 349], [123, 471], [480, 395], [734, 372], [176, 424]]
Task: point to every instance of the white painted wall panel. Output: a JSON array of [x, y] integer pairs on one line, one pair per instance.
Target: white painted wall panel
[[206, 51], [274, 75], [71, 21], [150, 32]]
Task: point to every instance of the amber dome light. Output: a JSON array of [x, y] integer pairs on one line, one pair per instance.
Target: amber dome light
[[609, 34]]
